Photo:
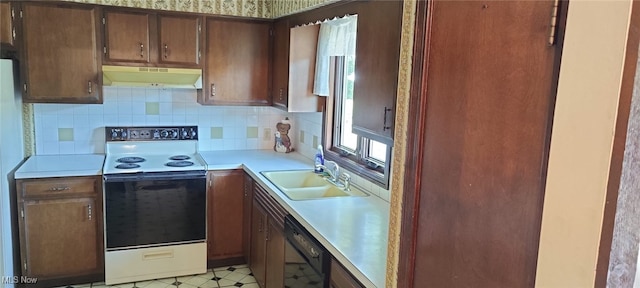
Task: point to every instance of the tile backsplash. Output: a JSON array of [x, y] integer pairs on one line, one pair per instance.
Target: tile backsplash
[[79, 128]]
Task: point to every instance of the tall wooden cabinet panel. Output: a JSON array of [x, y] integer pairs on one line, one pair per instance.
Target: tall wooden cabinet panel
[[377, 60], [179, 39], [225, 208], [258, 243], [60, 226], [61, 61], [8, 31], [127, 36], [237, 63], [481, 117], [247, 211], [280, 64]]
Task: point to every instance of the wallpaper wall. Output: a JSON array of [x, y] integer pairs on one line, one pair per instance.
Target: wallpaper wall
[[245, 8]]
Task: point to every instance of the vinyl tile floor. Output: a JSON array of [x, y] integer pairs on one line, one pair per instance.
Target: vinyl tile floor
[[230, 276]]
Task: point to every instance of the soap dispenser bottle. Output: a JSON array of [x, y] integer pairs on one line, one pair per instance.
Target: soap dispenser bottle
[[319, 160]]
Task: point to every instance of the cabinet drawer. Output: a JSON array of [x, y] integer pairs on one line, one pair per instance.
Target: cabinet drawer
[[57, 186]]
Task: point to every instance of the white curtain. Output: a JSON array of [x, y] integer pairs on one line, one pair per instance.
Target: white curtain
[[336, 38]]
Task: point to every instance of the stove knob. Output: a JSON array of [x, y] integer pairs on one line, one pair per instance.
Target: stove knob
[[156, 134], [164, 134], [185, 134], [193, 133], [124, 134], [114, 134]]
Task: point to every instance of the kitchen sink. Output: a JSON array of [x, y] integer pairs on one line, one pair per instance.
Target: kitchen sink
[[307, 185], [295, 179]]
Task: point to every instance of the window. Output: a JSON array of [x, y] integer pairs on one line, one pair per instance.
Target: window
[[335, 77], [369, 158]]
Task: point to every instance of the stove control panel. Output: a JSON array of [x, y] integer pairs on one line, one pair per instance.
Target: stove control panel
[[151, 133]]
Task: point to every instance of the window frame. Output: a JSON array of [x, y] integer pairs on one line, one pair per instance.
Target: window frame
[[356, 161]]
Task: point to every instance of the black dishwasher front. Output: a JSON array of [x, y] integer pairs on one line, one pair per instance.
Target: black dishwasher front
[[306, 261]]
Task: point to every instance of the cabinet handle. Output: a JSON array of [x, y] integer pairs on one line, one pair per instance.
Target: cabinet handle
[[141, 50], [213, 90], [90, 89], [166, 49], [59, 189], [89, 212], [260, 225], [267, 231], [384, 124], [280, 95], [13, 33]]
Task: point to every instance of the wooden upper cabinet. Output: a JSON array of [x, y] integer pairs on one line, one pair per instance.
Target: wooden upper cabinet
[[377, 62], [60, 60], [237, 63], [280, 64], [149, 39], [294, 66], [179, 40], [127, 37], [7, 25]]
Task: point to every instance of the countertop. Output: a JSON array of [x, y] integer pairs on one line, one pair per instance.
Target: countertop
[[45, 166], [354, 229]]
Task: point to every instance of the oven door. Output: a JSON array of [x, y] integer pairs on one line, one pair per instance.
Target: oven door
[[154, 209], [306, 262]]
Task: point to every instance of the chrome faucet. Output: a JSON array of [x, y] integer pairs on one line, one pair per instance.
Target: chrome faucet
[[346, 181], [333, 173]]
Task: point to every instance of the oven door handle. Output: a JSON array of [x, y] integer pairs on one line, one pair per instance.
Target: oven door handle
[[182, 175]]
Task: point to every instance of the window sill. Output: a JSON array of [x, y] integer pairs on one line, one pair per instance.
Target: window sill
[[359, 169]]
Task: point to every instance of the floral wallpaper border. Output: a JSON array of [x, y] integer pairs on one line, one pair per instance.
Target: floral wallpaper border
[[244, 8]]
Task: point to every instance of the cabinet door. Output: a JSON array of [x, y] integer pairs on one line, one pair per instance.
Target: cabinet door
[[280, 64], [258, 243], [61, 237], [237, 63], [377, 60], [61, 61], [246, 226], [7, 27], [275, 254], [127, 37], [179, 40], [341, 278], [226, 196]]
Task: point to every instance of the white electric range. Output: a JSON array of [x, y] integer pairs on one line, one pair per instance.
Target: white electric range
[[154, 204]]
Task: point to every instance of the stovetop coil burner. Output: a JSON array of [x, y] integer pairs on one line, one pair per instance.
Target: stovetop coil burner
[[127, 166], [179, 157], [179, 163], [130, 160]]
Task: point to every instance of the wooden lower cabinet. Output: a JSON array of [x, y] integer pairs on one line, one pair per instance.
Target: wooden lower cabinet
[[225, 209], [275, 254], [258, 254], [341, 278], [247, 211], [267, 240], [61, 234]]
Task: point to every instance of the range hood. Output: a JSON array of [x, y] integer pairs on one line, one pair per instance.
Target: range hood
[[151, 77]]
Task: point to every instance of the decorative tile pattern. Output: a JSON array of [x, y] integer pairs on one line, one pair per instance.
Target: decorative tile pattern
[[236, 127]]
